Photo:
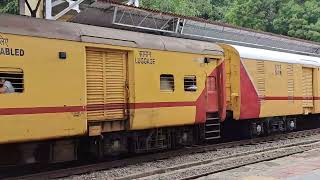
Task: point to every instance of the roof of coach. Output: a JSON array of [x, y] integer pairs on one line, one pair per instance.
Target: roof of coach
[[29, 26], [268, 55]]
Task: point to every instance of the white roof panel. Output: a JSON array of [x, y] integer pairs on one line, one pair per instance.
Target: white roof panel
[[268, 55]]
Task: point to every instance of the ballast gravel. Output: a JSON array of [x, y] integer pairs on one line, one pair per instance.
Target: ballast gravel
[[230, 163], [118, 173]]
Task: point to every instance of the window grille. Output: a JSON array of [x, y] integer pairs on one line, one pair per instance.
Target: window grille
[[261, 80], [290, 83], [166, 82], [15, 76], [278, 70], [190, 83]]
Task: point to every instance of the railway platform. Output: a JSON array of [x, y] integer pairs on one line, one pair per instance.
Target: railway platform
[[304, 166]]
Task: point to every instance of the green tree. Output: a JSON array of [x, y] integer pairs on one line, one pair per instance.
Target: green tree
[[200, 8], [299, 19], [313, 33], [9, 6], [219, 8], [256, 14], [289, 14]]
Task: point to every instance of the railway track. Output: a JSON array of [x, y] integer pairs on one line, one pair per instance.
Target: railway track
[[243, 160], [201, 168], [205, 168]]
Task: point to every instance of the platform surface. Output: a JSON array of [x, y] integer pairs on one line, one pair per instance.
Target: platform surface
[[304, 166]]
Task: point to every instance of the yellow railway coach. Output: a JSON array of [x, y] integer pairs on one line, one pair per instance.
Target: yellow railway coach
[[74, 80], [277, 88], [71, 90]]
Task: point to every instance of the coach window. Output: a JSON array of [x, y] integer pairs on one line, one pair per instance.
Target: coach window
[[277, 70], [14, 76], [190, 83], [166, 82]]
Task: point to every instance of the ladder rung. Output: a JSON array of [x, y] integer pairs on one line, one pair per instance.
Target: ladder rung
[[214, 131], [210, 138], [212, 125], [213, 118]]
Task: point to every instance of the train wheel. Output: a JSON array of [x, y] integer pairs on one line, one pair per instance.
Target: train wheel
[[291, 124], [257, 129]]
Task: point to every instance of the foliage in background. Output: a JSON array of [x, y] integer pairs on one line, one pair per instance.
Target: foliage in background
[[296, 18], [300, 19], [255, 14], [200, 8], [9, 6]]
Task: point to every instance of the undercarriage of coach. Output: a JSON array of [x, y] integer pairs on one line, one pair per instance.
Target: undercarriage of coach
[[118, 144]]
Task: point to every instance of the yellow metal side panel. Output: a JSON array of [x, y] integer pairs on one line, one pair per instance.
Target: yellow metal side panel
[[166, 116], [232, 61], [106, 84], [146, 87], [276, 87], [95, 85], [316, 90], [307, 87], [22, 128], [116, 84], [53, 88], [277, 90]]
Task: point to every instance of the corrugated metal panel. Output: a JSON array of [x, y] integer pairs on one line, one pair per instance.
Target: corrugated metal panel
[[261, 78], [290, 83], [106, 84], [307, 87]]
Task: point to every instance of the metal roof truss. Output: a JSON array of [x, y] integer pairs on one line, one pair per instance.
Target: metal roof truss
[[162, 22]]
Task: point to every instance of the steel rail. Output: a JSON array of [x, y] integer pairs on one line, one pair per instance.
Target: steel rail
[[262, 156], [265, 151]]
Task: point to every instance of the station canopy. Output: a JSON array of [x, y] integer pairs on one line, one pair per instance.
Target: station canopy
[[109, 13]]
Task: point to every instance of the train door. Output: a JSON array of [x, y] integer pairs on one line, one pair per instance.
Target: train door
[[106, 72], [216, 92], [215, 104], [307, 90], [212, 100]]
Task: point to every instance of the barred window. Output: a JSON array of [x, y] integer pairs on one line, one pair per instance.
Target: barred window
[[277, 70], [166, 82], [14, 76], [190, 83]]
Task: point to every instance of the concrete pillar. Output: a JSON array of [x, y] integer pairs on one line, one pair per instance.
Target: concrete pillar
[[22, 7]]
